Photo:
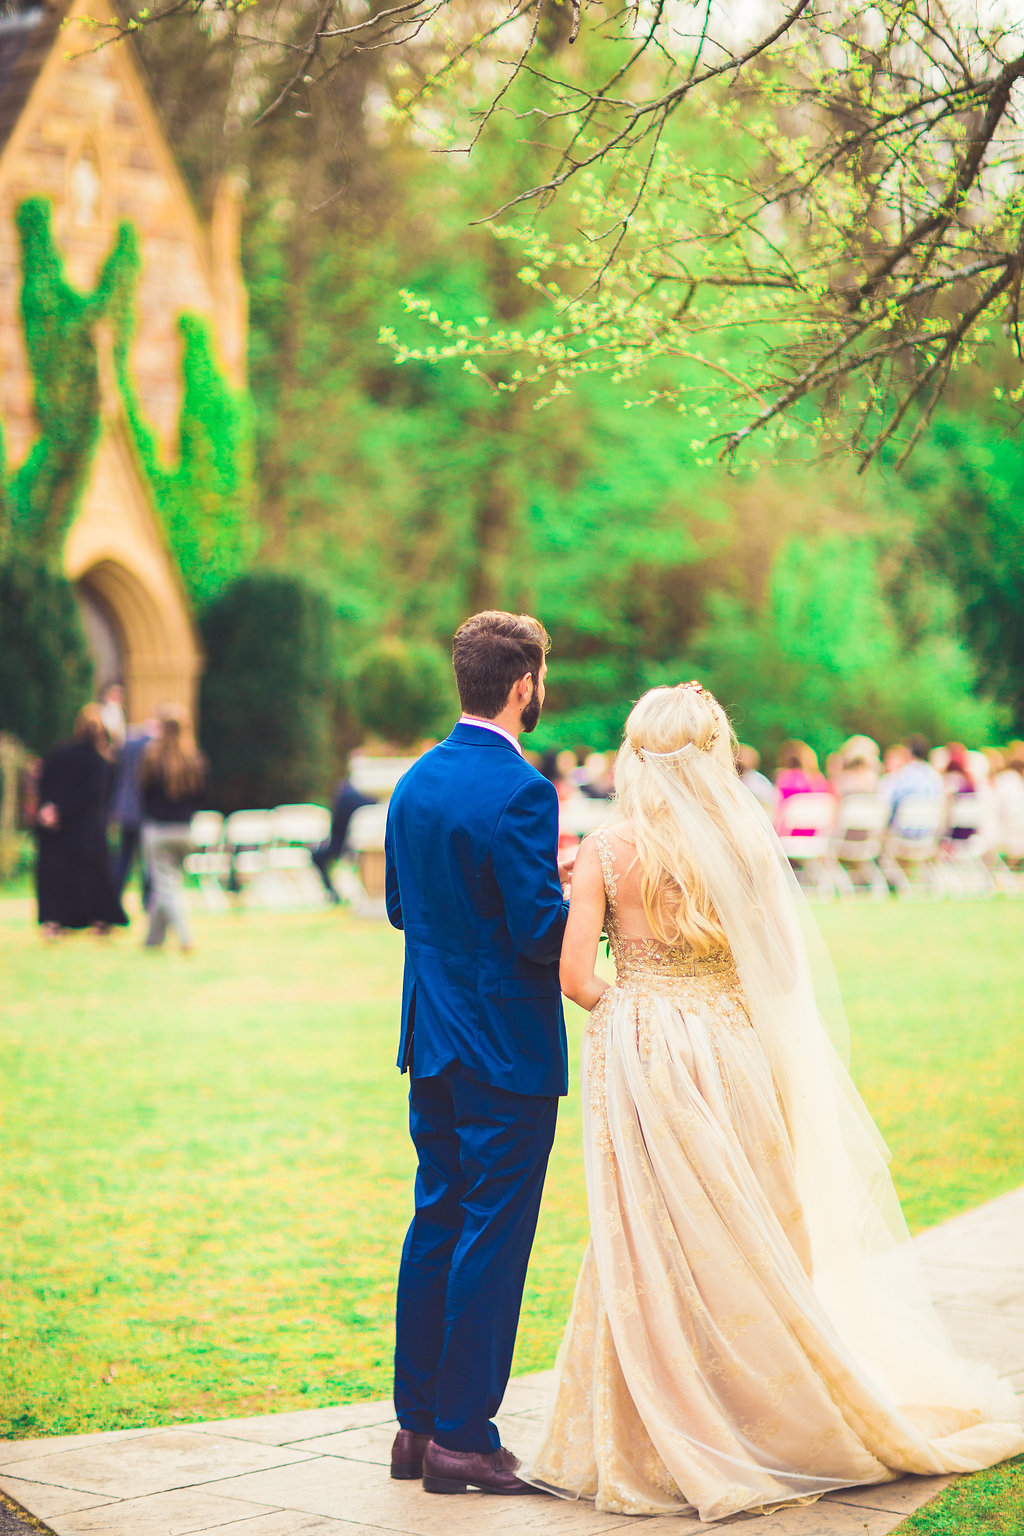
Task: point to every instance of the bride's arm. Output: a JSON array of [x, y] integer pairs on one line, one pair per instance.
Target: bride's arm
[[577, 974]]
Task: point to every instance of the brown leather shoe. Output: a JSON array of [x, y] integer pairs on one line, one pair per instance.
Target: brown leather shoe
[[407, 1454], [447, 1471]]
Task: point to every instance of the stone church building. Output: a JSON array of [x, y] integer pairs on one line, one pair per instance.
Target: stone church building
[[78, 127]]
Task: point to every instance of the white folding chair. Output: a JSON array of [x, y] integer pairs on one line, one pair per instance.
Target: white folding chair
[[911, 846], [209, 861], [377, 776], [965, 849], [297, 831], [1009, 832], [805, 828], [248, 836], [857, 843], [365, 839]]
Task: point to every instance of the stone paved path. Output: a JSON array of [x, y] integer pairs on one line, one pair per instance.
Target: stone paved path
[[323, 1471]]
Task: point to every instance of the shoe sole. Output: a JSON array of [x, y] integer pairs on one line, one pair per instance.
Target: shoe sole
[[404, 1471], [456, 1485]]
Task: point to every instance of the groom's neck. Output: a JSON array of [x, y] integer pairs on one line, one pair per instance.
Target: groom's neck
[[510, 720]]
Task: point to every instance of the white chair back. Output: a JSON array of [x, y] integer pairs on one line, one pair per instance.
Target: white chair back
[[249, 829], [207, 829], [860, 823], [377, 776], [805, 818], [919, 816], [305, 826], [366, 829]]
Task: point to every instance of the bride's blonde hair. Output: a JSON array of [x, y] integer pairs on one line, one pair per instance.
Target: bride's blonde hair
[[683, 732]]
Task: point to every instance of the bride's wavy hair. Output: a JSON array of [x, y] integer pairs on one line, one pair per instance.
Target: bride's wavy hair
[[685, 733]]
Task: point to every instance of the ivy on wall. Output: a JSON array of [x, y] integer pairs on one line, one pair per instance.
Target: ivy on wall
[[60, 337], [205, 500]]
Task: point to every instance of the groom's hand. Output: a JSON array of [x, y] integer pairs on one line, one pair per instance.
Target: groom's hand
[[566, 861]]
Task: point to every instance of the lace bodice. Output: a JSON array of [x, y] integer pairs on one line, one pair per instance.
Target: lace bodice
[[643, 960]]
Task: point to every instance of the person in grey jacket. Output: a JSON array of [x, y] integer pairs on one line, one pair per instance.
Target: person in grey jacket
[[126, 805]]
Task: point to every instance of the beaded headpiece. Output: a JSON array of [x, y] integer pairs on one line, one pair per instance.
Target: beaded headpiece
[[687, 750]]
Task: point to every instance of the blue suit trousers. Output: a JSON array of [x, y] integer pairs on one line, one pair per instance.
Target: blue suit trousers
[[482, 1155]]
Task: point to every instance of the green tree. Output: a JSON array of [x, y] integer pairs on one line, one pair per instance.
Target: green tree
[[402, 692], [269, 696], [45, 665], [824, 656]]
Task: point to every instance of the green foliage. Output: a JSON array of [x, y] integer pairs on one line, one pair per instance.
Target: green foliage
[[402, 691], [60, 337], [205, 500], [268, 702], [966, 484], [45, 666], [825, 656]]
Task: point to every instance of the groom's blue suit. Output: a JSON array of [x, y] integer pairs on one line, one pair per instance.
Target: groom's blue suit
[[472, 879]]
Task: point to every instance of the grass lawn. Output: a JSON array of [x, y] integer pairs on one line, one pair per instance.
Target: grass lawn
[[207, 1173]]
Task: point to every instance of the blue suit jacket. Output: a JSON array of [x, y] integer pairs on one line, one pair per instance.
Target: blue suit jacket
[[472, 878]]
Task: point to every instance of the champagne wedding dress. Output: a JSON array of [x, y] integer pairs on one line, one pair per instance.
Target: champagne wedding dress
[[701, 1368]]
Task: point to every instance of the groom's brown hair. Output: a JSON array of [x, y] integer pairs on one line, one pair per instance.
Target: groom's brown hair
[[490, 652]]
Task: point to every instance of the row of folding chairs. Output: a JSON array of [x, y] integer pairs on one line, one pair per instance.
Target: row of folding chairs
[[265, 857], [932, 847]]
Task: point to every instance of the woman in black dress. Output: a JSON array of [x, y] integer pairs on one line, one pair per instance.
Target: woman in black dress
[[73, 877]]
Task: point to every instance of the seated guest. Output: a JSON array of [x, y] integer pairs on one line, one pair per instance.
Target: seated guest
[[598, 781], [748, 763], [798, 774], [344, 804], [856, 767], [917, 778], [1008, 789]]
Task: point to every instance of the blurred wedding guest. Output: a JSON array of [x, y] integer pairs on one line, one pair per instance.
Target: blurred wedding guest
[[598, 781], [1008, 790], [798, 774], [893, 759], [174, 778], [345, 801], [74, 882], [856, 767], [556, 768], [126, 805], [916, 778], [958, 779], [111, 703], [748, 765]]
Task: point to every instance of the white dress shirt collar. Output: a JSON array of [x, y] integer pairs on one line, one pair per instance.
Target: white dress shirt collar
[[489, 725]]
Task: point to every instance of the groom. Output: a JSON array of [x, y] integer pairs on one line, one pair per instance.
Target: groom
[[472, 878]]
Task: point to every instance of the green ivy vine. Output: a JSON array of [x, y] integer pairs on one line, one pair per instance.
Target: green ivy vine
[[205, 500]]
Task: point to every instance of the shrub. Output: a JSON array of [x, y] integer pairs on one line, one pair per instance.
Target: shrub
[[402, 691], [45, 664], [268, 697]]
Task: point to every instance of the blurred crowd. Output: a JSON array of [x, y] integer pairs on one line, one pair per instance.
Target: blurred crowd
[[975, 796], [106, 798], [114, 799]]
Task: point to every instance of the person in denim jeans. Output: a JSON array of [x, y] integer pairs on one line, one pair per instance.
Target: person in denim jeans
[[174, 778]]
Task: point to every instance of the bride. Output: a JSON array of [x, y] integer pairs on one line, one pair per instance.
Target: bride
[[747, 1328]]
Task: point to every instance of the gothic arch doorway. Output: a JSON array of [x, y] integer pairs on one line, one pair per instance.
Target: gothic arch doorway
[[138, 637], [104, 637]]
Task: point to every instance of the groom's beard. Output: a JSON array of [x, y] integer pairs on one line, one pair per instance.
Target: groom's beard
[[531, 714]]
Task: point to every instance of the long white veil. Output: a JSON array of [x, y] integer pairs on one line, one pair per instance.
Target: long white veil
[[864, 1271]]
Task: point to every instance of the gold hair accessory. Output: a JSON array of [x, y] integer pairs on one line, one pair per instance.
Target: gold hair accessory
[[691, 746]]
